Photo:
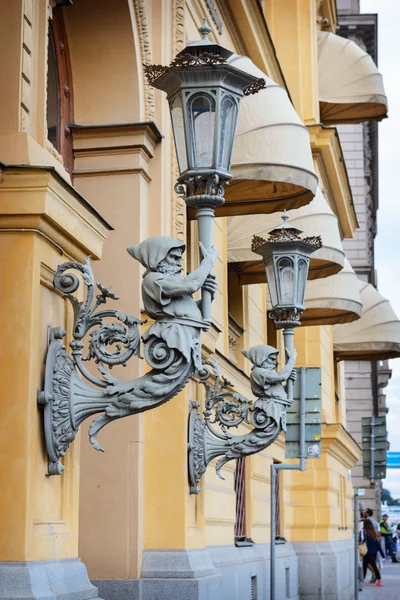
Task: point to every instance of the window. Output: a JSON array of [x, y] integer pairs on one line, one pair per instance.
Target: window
[[59, 89], [241, 538]]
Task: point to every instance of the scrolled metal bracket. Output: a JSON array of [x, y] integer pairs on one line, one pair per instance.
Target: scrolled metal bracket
[[73, 393], [209, 434]]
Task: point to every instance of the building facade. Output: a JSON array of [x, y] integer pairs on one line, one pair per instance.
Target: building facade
[[88, 168], [365, 379]]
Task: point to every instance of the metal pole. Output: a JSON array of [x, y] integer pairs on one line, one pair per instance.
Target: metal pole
[[356, 582], [205, 218], [302, 436], [288, 336], [301, 466], [273, 529], [372, 448]]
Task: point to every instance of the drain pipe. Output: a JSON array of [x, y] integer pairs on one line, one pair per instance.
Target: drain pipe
[[300, 466], [356, 582]]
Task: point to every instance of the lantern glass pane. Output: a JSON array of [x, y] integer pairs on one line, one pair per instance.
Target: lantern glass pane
[[202, 120], [269, 267], [302, 280], [179, 133], [286, 280], [228, 117]]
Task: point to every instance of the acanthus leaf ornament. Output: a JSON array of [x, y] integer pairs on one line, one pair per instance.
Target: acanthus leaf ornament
[[172, 345]]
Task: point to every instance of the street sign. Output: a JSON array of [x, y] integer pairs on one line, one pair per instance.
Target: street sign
[[374, 442], [312, 447], [393, 460]]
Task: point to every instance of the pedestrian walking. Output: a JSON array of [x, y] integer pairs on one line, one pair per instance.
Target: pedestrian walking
[[369, 514], [386, 534], [369, 536]]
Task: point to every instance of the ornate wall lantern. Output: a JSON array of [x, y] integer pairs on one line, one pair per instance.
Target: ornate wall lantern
[[286, 257], [204, 94]]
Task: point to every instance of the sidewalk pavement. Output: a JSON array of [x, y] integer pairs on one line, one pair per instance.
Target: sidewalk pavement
[[391, 584]]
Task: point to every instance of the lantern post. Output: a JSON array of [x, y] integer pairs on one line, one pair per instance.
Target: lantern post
[[204, 94], [286, 257]]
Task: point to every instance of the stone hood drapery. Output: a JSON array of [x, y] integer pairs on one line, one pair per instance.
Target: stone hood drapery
[[375, 336], [350, 85], [316, 218], [272, 164]]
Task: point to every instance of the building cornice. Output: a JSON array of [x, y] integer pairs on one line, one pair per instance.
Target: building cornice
[[338, 442], [328, 155]]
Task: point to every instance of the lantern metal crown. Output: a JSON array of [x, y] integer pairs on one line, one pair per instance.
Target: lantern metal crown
[[204, 94], [286, 257]]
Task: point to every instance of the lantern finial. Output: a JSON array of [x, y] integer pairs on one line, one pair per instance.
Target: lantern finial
[[285, 217], [205, 30]]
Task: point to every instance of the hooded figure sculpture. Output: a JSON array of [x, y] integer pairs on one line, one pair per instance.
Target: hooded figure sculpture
[[267, 383], [167, 297]]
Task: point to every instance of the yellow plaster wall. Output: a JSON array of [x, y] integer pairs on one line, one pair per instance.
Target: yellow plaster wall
[[40, 513], [113, 168], [104, 63], [320, 498], [293, 27]]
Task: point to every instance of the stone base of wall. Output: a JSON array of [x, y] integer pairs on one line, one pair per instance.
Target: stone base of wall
[[48, 580], [216, 573], [326, 570]]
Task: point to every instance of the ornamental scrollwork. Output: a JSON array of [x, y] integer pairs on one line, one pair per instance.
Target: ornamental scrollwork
[[210, 434], [110, 337]]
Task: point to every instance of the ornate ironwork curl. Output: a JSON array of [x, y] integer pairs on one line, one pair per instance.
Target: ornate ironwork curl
[[172, 347], [210, 436]]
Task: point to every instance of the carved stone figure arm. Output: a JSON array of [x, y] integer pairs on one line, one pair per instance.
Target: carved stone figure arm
[[286, 371], [173, 287]]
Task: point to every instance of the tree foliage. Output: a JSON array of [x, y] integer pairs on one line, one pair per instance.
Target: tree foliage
[[387, 498]]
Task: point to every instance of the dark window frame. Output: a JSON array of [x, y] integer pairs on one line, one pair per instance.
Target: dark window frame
[[241, 538], [58, 44]]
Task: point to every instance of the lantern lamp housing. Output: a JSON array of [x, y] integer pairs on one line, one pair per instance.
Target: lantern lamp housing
[[204, 95], [286, 258]]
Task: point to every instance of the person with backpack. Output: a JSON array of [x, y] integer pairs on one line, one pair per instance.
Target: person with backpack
[[369, 536]]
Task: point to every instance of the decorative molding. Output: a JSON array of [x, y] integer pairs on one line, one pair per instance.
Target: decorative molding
[[146, 55], [214, 14], [235, 331], [339, 443], [326, 147], [179, 219], [27, 65]]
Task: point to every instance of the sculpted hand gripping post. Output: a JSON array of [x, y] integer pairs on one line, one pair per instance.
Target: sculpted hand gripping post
[[172, 345], [227, 409], [267, 384]]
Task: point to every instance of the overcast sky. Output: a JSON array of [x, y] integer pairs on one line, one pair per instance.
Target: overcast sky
[[387, 245]]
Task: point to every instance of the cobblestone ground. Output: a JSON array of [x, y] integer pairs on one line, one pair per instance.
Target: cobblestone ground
[[391, 585]]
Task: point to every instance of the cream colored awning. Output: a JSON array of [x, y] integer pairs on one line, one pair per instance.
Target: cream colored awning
[[272, 162], [332, 300], [350, 85], [316, 218], [376, 336]]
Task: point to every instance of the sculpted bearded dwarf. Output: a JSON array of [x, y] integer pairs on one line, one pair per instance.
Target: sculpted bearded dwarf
[[267, 384], [173, 341], [167, 297]]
